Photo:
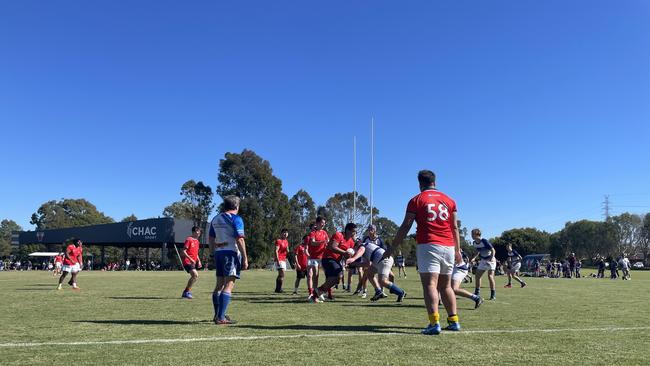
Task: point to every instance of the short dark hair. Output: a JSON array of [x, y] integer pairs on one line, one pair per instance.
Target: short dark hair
[[284, 230], [427, 178], [195, 229], [350, 226], [320, 219], [231, 203]]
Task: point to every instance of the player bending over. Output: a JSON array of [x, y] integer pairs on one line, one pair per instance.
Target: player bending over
[[336, 249]]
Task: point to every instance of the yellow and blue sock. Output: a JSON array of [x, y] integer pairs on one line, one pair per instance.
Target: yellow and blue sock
[[452, 319], [434, 318]]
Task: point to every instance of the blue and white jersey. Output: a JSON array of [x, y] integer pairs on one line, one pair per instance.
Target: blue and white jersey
[[464, 265], [514, 257], [226, 228], [373, 251], [484, 249], [378, 242], [400, 260]]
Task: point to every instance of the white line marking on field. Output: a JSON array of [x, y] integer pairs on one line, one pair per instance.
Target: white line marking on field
[[326, 335]]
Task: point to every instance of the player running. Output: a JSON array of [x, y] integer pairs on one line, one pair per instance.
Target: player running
[[461, 271], [229, 247], [374, 254], [71, 263], [191, 260], [281, 249], [438, 248], [336, 249], [488, 263], [514, 264], [300, 259], [318, 240], [400, 264]]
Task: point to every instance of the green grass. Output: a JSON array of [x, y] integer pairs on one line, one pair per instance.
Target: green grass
[[147, 305]]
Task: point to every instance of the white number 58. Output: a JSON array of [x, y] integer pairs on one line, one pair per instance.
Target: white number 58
[[442, 212]]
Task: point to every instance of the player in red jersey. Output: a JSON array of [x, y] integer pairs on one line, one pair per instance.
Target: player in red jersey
[[281, 249], [71, 263], [58, 263], [336, 249], [300, 258], [438, 248], [318, 240], [191, 260]]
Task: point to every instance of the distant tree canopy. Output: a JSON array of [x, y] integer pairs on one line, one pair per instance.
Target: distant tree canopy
[[6, 227], [302, 213], [341, 210], [264, 208], [196, 204], [525, 241], [68, 213]]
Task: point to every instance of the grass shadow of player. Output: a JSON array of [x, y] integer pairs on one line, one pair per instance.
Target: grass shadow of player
[[386, 305], [36, 289], [41, 284], [333, 328], [138, 298], [140, 322]]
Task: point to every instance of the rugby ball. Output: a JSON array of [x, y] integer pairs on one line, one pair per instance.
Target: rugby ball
[[350, 252]]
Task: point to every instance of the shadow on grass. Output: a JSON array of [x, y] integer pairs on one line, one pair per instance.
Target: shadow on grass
[[43, 284], [51, 288], [333, 328], [139, 298], [386, 305], [140, 322]]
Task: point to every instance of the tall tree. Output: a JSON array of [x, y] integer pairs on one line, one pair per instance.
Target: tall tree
[[644, 242], [341, 210], [303, 212], [68, 213], [6, 227], [264, 208], [386, 228], [525, 241], [628, 228], [195, 205]]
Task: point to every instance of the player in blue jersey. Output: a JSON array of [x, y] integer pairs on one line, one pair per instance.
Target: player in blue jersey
[[458, 275], [227, 242], [514, 264], [400, 264], [485, 251], [374, 253]]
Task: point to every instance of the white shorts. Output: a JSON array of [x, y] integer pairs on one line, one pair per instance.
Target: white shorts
[[71, 268], [281, 265], [458, 275], [514, 268], [58, 265], [384, 266], [434, 258], [313, 263], [485, 265]]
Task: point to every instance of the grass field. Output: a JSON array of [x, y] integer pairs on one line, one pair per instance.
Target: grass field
[[138, 318]]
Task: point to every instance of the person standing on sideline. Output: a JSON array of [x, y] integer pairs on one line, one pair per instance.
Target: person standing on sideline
[[400, 264], [485, 251], [227, 242], [281, 249], [300, 259], [191, 260], [71, 264], [514, 264], [437, 250]]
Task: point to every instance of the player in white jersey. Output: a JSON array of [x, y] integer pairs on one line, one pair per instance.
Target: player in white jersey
[[486, 252], [373, 253], [514, 264], [458, 275], [229, 248]]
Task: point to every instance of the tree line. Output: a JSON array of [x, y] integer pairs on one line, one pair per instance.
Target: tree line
[[266, 210]]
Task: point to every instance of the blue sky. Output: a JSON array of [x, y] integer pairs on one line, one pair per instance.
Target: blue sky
[[528, 111]]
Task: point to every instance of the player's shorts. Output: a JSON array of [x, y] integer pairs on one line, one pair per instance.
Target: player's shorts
[[73, 268], [281, 265], [514, 268], [189, 267], [301, 274], [58, 265], [434, 258], [383, 266], [458, 274], [314, 262], [332, 267], [227, 263], [486, 265], [400, 264]]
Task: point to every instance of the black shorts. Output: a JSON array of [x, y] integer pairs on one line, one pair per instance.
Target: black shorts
[[301, 274], [189, 267], [332, 267]]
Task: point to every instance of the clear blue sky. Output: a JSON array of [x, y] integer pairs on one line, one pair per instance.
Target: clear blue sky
[[528, 111]]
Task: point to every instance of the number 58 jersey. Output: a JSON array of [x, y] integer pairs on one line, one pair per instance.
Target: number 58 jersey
[[434, 217]]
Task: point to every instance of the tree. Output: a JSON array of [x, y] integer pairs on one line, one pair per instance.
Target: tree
[[386, 228], [195, 205], [585, 238], [302, 213], [68, 213], [341, 210], [264, 208], [525, 241], [6, 227], [644, 242], [129, 218], [628, 228]]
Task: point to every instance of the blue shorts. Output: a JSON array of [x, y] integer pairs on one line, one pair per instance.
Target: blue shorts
[[227, 263], [331, 267]]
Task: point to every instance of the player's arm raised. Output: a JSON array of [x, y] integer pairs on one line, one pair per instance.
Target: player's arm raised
[[409, 218]]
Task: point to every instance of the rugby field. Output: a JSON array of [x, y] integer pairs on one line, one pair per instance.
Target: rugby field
[[139, 318]]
